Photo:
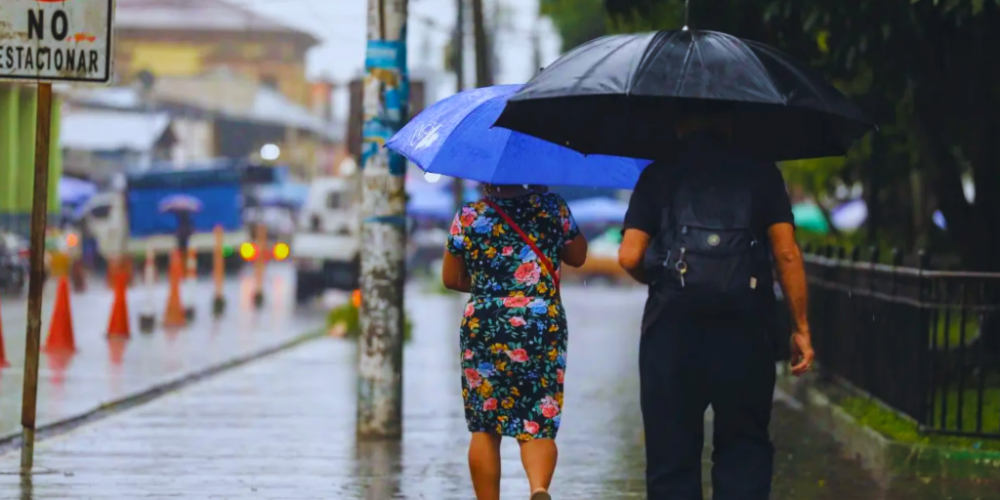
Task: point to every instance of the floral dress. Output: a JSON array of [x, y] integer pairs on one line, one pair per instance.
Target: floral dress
[[513, 335]]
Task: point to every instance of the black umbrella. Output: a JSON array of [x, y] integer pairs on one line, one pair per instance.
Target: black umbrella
[[619, 95]]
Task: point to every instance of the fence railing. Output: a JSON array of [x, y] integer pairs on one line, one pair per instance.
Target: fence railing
[[924, 342]]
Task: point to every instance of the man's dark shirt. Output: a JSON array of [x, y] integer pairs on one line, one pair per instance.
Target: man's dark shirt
[[657, 181], [652, 193]]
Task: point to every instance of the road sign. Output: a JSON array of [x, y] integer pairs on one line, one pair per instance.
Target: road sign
[[56, 40]]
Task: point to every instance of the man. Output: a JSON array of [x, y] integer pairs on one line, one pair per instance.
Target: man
[[701, 232]]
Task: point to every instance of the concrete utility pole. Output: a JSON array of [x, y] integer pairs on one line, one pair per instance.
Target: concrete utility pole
[[383, 235], [458, 186]]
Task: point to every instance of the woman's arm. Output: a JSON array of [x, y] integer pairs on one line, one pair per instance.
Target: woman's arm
[[574, 252], [454, 274]]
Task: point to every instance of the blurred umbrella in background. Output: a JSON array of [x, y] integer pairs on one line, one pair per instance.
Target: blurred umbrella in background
[[456, 137], [598, 210], [849, 216], [438, 205], [75, 192], [180, 203], [809, 217]]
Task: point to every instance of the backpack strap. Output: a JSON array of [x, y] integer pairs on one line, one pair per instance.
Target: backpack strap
[[546, 263]]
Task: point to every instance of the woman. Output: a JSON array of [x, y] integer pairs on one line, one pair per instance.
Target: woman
[[505, 250]]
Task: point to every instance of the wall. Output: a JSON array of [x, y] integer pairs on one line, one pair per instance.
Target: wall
[[17, 156], [260, 56]]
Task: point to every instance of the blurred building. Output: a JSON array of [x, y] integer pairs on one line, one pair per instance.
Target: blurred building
[[100, 143], [229, 81], [186, 38], [213, 115]]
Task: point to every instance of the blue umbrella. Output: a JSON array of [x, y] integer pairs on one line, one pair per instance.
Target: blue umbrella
[[180, 203], [599, 209], [456, 137], [75, 191]]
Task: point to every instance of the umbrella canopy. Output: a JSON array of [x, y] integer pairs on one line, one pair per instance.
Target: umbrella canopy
[[599, 209], [75, 191], [180, 203], [621, 95], [809, 217], [456, 137]]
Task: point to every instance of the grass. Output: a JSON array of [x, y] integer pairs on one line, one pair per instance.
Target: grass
[[898, 428], [953, 330], [348, 315]]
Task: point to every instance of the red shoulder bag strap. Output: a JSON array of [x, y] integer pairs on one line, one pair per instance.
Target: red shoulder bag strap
[[546, 263]]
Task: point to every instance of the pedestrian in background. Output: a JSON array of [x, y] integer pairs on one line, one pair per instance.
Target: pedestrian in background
[[506, 250], [701, 231], [185, 228]]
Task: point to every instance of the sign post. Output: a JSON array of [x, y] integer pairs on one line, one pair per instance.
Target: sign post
[[41, 42]]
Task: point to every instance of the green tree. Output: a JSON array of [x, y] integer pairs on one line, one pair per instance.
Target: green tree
[[924, 70]]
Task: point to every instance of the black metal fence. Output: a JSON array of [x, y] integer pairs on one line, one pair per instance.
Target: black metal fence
[[922, 341]]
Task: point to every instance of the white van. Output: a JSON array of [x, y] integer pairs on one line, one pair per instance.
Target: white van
[[326, 243]]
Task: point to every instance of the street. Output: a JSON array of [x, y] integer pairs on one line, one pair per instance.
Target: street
[[283, 427]]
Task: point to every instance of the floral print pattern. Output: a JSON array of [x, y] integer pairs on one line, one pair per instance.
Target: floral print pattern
[[513, 334]]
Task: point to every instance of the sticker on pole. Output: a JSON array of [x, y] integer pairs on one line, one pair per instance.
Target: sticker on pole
[[56, 40]]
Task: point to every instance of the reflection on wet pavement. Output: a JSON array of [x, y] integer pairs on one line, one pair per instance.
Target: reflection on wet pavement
[[284, 428], [102, 370]]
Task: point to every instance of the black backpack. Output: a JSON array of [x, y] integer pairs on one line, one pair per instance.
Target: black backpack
[[706, 255]]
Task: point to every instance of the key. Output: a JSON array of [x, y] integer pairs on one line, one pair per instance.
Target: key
[[682, 268]]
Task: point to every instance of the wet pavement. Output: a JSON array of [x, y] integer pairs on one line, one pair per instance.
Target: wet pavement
[[103, 371], [283, 427]]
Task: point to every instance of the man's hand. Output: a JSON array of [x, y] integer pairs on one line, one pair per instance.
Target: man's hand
[[802, 353]]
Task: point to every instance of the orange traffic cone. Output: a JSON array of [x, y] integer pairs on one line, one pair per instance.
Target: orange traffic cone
[[174, 315], [118, 324], [3, 354], [61, 337]]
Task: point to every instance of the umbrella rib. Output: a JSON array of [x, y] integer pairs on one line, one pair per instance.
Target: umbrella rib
[[687, 64]]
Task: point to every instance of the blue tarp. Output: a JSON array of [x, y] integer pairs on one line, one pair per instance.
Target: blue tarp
[[221, 204]]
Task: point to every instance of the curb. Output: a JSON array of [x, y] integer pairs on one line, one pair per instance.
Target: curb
[[12, 441], [885, 459]]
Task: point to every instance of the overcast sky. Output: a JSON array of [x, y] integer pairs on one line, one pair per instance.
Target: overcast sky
[[341, 24]]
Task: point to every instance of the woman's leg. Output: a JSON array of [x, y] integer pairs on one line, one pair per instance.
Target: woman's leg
[[484, 464], [539, 458]]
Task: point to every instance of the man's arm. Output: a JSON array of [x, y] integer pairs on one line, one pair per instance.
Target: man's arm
[[632, 252], [792, 276]]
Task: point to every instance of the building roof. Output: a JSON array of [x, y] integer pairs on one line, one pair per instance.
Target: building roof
[[101, 130], [265, 106], [206, 15]]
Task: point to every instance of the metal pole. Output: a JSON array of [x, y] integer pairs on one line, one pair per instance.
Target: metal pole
[[39, 213], [458, 186], [383, 234]]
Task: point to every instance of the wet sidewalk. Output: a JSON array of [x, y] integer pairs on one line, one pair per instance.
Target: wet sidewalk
[[101, 371], [283, 428]]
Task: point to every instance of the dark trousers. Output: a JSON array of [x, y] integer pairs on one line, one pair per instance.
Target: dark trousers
[[687, 363]]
